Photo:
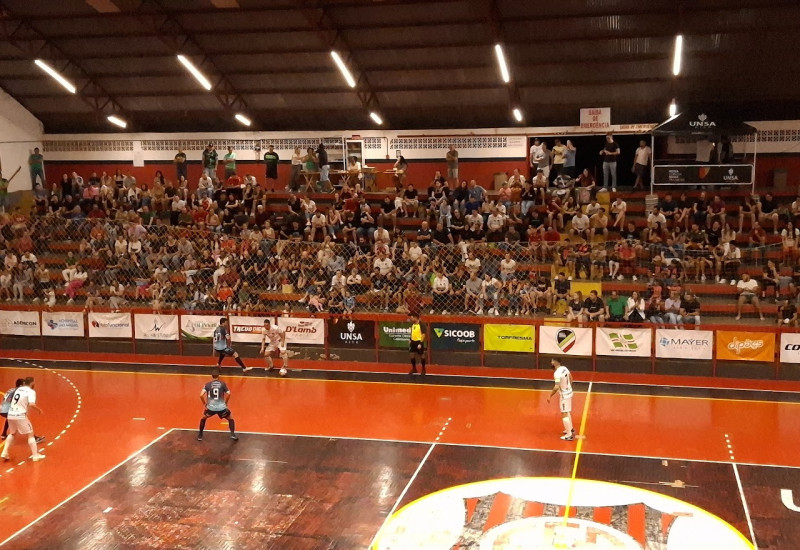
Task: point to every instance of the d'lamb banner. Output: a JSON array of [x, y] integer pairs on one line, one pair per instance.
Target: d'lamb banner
[[727, 174], [156, 327], [199, 327], [65, 323], [455, 337], [394, 335], [20, 323], [351, 334], [684, 344], [517, 338], [746, 346], [247, 329], [790, 347], [623, 342], [565, 341], [303, 331], [110, 325]]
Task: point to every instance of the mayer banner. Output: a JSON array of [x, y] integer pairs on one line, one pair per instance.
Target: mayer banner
[[565, 340], [455, 337], [247, 329], [110, 325], [746, 346], [623, 342], [63, 323], [303, 330], [199, 327], [156, 327], [790, 347], [727, 174], [351, 334], [20, 323], [684, 344], [517, 338], [395, 335]]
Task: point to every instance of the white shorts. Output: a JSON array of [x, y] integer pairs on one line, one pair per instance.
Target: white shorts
[[565, 404], [21, 426], [271, 349]]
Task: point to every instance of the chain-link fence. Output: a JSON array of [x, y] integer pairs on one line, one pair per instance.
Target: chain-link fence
[[121, 264]]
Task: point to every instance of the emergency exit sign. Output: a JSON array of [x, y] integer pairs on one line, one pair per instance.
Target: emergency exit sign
[[596, 118]]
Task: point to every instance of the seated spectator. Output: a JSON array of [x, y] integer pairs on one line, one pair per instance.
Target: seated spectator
[[593, 308], [635, 308], [748, 209], [618, 209], [575, 307], [672, 309], [616, 308], [473, 288], [655, 311], [770, 279], [748, 294], [716, 211], [787, 314], [580, 225], [768, 211]]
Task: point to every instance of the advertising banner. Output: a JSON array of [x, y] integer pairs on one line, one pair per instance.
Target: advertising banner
[[64, 323], [247, 329], [790, 347], [351, 334], [110, 325], [156, 327], [303, 331], [394, 335], [199, 327], [745, 346], [517, 338], [727, 174], [455, 337], [625, 342], [684, 344], [565, 341], [20, 323]]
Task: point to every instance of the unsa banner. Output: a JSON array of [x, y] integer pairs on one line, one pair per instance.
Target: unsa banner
[[199, 327], [156, 327], [516, 338], [19, 323], [351, 334], [110, 325], [247, 329], [684, 344], [63, 323], [455, 337], [394, 334], [303, 330], [746, 346], [557, 340], [623, 342]]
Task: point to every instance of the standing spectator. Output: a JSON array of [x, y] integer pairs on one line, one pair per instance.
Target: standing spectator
[[36, 165], [490, 291], [452, 165], [569, 159], [610, 153], [324, 168], [544, 159], [748, 294], [230, 163], [641, 163], [297, 168], [210, 159], [559, 159], [271, 161], [4, 183], [180, 165]]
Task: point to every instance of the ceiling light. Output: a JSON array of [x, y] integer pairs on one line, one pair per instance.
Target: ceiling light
[[58, 78], [200, 77], [677, 56], [501, 60], [376, 118], [243, 119], [673, 108], [117, 121], [517, 114], [344, 70]]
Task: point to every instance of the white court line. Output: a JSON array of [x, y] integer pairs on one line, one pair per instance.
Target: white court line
[[66, 500], [746, 508]]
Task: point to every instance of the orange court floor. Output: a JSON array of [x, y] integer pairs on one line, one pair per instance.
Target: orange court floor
[[95, 420]]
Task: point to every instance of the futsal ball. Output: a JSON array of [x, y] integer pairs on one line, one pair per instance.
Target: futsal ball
[[282, 372]]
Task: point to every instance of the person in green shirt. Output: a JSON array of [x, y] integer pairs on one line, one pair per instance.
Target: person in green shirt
[[615, 308], [4, 189], [36, 164], [230, 163], [210, 161]]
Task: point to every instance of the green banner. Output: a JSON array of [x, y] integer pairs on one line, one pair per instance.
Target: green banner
[[455, 337], [394, 335]]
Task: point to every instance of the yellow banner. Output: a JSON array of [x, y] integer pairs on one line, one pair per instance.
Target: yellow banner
[[518, 338]]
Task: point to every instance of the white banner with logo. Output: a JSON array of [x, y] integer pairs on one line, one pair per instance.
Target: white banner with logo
[[110, 325], [247, 329], [156, 327], [565, 340], [684, 344], [20, 323], [199, 327], [303, 331], [64, 323], [790, 347], [624, 342]]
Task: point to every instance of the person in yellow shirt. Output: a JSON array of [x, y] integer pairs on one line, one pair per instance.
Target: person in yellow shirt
[[416, 346]]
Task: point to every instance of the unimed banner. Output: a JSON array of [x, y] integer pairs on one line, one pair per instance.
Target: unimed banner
[[394, 335], [790, 348], [455, 337], [156, 327], [247, 329], [684, 344], [565, 341], [623, 342], [19, 323], [65, 323], [199, 327], [110, 325], [745, 346], [518, 338], [351, 334], [303, 331]]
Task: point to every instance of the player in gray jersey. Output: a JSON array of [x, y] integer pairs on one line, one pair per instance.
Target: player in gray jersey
[[215, 396]]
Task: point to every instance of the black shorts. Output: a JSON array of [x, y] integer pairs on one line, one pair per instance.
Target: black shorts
[[227, 352], [225, 413], [412, 347]]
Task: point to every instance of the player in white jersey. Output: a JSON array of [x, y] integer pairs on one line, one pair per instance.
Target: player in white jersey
[[273, 340], [18, 423], [563, 387]]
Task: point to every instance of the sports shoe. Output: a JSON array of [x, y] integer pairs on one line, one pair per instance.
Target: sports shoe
[[37, 458], [199, 438], [479, 312], [234, 437], [733, 282], [703, 278], [568, 437], [431, 312], [38, 439], [497, 312], [3, 436], [283, 372], [620, 277], [613, 189], [444, 312], [634, 278], [722, 281], [565, 432]]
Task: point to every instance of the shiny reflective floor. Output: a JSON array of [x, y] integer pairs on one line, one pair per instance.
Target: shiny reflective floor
[[326, 462]]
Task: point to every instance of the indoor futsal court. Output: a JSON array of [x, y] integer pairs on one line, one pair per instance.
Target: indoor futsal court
[[327, 462]]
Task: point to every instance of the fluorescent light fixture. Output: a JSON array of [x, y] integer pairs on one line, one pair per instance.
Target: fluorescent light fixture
[[69, 86], [243, 119], [677, 56], [673, 108], [200, 77], [376, 118], [115, 120], [501, 60], [343, 69], [517, 114]]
